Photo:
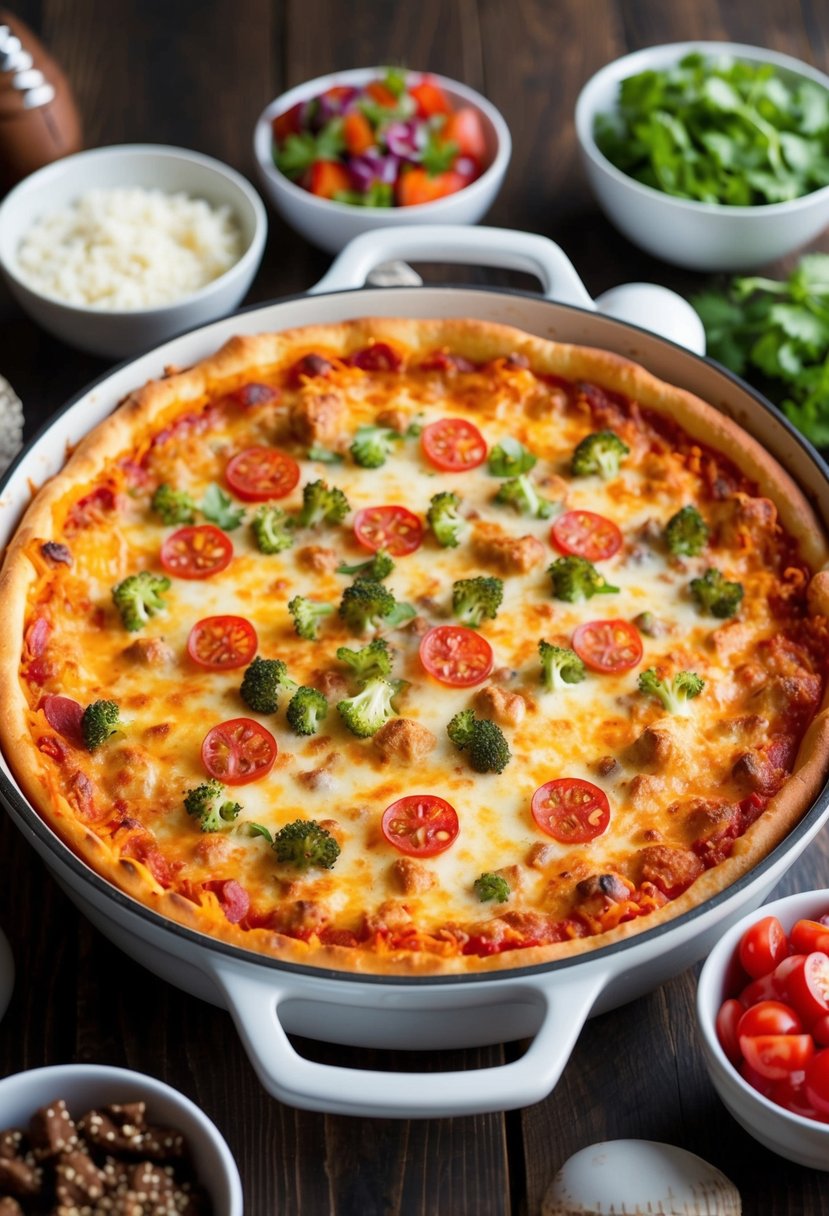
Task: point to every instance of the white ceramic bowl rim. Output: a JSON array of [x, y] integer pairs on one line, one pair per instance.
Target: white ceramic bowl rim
[[660, 56], [714, 969], [358, 76], [167, 152]]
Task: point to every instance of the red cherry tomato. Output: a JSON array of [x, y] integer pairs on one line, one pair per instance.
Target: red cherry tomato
[[817, 1083], [326, 178], [609, 646], [820, 1031], [571, 810], [763, 1085], [728, 1016], [763, 946], [456, 655], [781, 973], [453, 445], [465, 128], [776, 1055], [430, 98], [769, 1017], [420, 825], [585, 534], [791, 1093], [762, 989], [808, 936], [238, 751], [415, 186], [196, 552], [259, 474], [395, 529], [221, 642], [808, 987]]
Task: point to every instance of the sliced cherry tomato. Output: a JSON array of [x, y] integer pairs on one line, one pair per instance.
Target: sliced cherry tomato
[[571, 810], [791, 1093], [769, 1017], [465, 127], [326, 178], [416, 186], [430, 98], [586, 534], [238, 751], [453, 444], [392, 528], [259, 474], [820, 1031], [728, 1016], [776, 1055], [357, 133], [609, 646], [196, 552], [781, 973], [817, 1083], [808, 936], [221, 642], [808, 987], [456, 655], [762, 989], [420, 825], [763, 946]]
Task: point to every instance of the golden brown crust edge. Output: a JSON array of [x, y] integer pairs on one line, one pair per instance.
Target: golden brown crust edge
[[477, 340]]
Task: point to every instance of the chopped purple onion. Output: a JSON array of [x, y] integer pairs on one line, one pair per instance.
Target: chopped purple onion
[[333, 107], [467, 167], [372, 167], [406, 140]]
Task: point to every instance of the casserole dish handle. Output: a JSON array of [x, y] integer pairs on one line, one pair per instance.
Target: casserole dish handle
[[254, 1002], [646, 305]]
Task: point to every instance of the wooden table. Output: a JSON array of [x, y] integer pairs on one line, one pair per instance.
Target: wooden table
[[196, 73]]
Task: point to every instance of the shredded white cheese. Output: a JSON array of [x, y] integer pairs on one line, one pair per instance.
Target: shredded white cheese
[[126, 249]]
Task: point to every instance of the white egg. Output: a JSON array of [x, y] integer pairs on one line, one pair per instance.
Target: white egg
[[634, 1177]]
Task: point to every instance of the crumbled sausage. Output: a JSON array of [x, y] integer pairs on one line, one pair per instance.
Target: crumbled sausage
[[317, 417], [404, 740], [412, 877], [507, 708], [394, 418], [509, 554], [320, 778], [608, 886], [332, 684], [541, 855], [654, 747], [151, 652], [418, 625], [606, 765], [669, 869], [318, 558], [746, 522], [730, 638]]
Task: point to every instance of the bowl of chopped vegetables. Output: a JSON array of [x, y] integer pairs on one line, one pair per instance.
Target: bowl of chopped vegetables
[[710, 155], [375, 147]]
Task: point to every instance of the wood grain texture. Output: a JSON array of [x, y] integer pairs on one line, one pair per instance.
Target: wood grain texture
[[197, 73]]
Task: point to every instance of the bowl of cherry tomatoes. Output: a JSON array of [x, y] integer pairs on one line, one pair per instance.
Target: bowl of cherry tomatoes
[[379, 147], [763, 1012]]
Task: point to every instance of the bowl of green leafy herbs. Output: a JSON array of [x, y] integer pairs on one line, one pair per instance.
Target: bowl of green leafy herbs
[[710, 155]]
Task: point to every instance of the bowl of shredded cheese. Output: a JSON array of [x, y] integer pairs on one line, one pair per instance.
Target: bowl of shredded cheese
[[117, 249]]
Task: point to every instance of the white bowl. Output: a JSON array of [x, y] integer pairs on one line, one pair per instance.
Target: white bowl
[[118, 334], [701, 236], [85, 1086], [332, 225], [792, 1136]]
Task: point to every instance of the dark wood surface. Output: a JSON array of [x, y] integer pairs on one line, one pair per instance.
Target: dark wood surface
[[196, 73]]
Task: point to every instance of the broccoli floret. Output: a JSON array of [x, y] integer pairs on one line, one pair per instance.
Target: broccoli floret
[[99, 721], [372, 444], [206, 803], [307, 613], [713, 593], [492, 887], [649, 624], [510, 458], [272, 529], [138, 597], [488, 749], [322, 504], [686, 533], [174, 506], [476, 599], [364, 605], [306, 709], [376, 568], [371, 660], [305, 844], [366, 712], [262, 683], [575, 580], [519, 492], [674, 694], [602, 453], [560, 666], [446, 524]]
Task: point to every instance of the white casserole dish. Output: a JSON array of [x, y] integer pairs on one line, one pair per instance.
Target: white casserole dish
[[548, 1003]]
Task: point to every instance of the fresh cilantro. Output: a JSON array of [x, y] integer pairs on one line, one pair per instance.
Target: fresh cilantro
[[324, 455], [395, 81], [299, 152], [219, 508], [379, 194], [719, 130], [439, 155], [778, 330]]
